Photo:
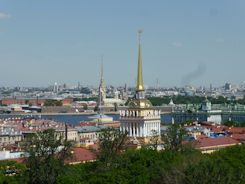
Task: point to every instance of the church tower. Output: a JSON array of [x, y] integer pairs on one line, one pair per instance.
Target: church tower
[[140, 119]]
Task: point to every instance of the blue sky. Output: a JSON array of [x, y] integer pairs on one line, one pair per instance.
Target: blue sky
[[183, 42]]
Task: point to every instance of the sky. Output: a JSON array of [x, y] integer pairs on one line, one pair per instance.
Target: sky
[[184, 42]]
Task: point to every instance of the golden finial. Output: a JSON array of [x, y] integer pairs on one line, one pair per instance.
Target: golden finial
[[140, 86]]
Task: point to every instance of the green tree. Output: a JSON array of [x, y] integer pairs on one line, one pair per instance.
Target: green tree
[[58, 103], [115, 106], [49, 103], [231, 123], [85, 107], [12, 172], [174, 137], [111, 143], [47, 154], [96, 108]]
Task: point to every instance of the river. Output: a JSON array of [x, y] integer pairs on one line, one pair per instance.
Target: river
[[75, 119]]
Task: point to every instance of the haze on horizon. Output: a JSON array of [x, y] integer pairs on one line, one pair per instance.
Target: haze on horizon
[[183, 42]]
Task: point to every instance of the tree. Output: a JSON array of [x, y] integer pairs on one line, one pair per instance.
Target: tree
[[47, 152], [115, 106], [174, 137], [155, 141], [85, 107], [11, 172], [96, 108], [111, 143], [58, 103], [49, 103], [231, 123]]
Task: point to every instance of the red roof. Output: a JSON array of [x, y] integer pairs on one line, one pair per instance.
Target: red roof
[[79, 155], [235, 130], [82, 155], [218, 141], [239, 137]]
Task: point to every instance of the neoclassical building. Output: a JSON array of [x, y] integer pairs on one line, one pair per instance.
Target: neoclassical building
[[140, 120]]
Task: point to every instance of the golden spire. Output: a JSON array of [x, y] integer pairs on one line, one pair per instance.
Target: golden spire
[[139, 86], [101, 77]]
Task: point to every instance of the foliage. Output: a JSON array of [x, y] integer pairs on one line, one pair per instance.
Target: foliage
[[85, 99], [48, 103], [111, 143], [118, 165], [85, 107], [234, 124], [47, 154], [96, 108], [58, 103], [115, 106], [11, 172], [174, 137]]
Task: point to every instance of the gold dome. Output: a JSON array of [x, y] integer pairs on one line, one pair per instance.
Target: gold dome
[[140, 104]]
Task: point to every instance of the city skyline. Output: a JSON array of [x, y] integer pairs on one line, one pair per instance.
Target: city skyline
[[183, 43]]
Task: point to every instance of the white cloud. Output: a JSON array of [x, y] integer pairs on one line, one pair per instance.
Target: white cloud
[[4, 16], [219, 41], [176, 44]]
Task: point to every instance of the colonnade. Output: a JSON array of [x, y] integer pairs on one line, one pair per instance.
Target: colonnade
[[138, 113], [140, 129]]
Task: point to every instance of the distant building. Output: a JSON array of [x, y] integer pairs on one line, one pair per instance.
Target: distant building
[[56, 88], [206, 112], [227, 86], [9, 135], [102, 90]]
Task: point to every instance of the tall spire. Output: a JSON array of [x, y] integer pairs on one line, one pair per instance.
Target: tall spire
[[139, 86], [101, 77]]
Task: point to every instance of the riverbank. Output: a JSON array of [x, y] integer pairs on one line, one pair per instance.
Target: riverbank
[[55, 114], [62, 114]]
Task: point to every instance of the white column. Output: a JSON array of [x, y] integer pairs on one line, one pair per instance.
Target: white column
[[147, 129], [136, 128], [159, 127], [141, 132], [131, 129]]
